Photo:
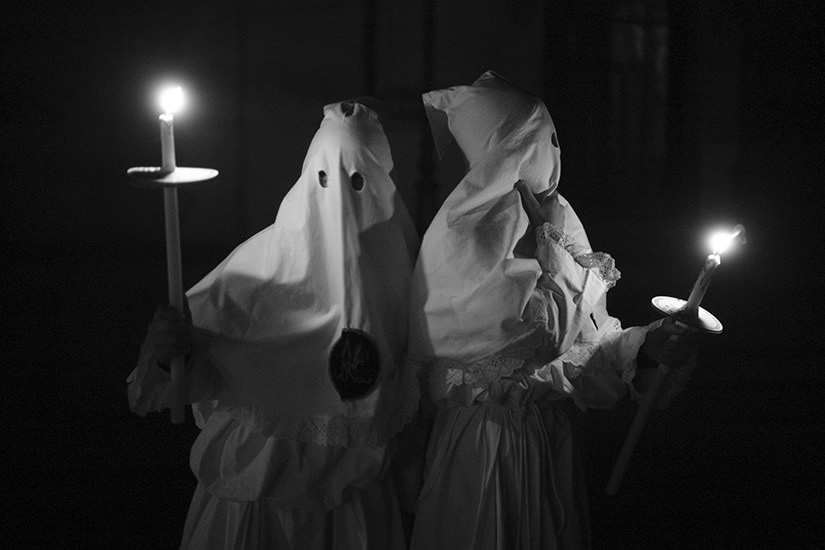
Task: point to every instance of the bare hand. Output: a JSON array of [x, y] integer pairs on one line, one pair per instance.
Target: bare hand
[[672, 344], [548, 209], [168, 335]]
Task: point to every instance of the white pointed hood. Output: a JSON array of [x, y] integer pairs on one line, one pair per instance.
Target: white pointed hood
[[317, 302], [469, 290]]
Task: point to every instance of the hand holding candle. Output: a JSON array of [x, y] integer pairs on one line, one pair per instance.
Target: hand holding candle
[[687, 313], [169, 177]]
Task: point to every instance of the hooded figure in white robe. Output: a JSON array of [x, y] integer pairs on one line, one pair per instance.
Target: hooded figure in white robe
[[297, 378], [514, 344]]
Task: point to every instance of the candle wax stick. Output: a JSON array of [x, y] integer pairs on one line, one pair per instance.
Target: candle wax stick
[[167, 143], [702, 284], [177, 391]]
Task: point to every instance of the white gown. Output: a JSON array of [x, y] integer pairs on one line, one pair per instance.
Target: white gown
[[514, 346], [301, 385]]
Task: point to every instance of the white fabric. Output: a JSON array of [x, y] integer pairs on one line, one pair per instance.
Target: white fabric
[[512, 344], [368, 520], [336, 258], [470, 290], [283, 459], [599, 357], [263, 492], [504, 474]]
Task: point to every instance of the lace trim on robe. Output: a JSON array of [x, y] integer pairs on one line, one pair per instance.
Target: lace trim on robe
[[603, 263], [475, 375]]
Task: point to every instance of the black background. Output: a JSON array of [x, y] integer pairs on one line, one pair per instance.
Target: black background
[[736, 138]]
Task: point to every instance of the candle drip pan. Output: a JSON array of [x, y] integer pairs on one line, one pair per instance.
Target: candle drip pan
[[675, 308], [155, 176]]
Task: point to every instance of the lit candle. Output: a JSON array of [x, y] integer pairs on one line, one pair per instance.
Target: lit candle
[[719, 243], [702, 283], [170, 100], [688, 314]]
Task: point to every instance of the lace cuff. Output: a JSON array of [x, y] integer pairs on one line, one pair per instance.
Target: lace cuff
[[603, 263], [150, 385], [550, 232]]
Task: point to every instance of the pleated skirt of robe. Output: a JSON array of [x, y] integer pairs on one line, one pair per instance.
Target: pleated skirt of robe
[[369, 519], [504, 477]]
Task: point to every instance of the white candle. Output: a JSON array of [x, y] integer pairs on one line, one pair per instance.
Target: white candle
[[170, 100], [702, 283], [719, 243], [167, 142]]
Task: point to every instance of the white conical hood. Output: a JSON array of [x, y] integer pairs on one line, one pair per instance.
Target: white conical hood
[[333, 268], [469, 290]]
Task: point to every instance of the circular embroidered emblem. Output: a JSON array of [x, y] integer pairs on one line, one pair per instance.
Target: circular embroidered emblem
[[354, 364]]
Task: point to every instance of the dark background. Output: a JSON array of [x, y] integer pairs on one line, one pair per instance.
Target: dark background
[[674, 118]]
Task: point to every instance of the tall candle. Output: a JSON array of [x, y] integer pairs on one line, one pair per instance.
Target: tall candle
[[167, 142], [702, 283], [170, 101]]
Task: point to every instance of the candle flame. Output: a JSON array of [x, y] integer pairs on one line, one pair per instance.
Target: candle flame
[[171, 100], [720, 242]]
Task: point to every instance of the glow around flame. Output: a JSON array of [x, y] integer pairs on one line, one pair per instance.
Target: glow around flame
[[720, 242], [171, 100]]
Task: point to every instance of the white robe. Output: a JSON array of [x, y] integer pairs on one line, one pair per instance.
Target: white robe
[[302, 384], [514, 346]]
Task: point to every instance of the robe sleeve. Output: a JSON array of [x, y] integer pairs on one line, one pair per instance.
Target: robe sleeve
[[237, 373], [557, 310], [598, 374], [576, 348], [566, 293], [602, 370], [149, 385]]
